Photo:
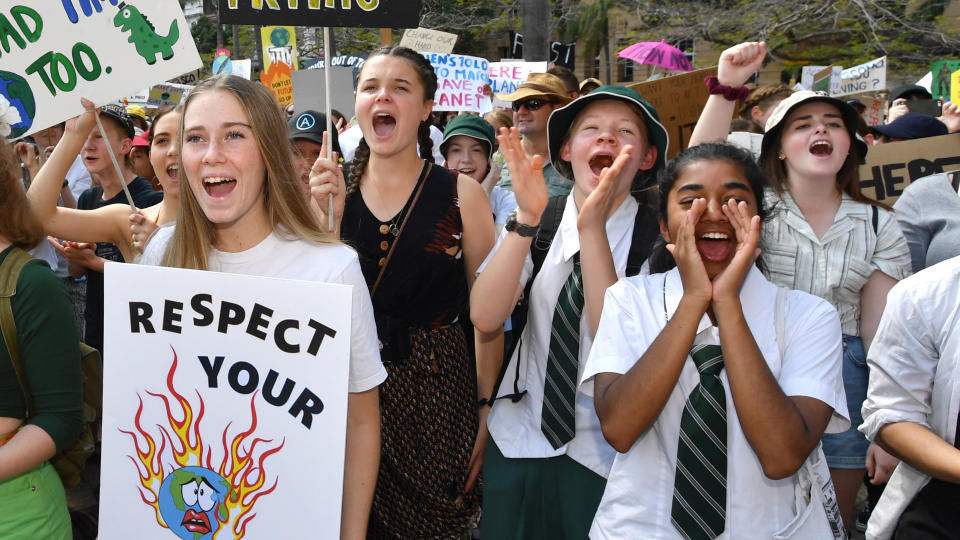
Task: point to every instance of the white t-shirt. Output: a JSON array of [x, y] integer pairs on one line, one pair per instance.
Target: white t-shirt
[[279, 257], [515, 427], [502, 202], [639, 492]]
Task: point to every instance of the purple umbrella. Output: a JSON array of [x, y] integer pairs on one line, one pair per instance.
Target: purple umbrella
[[657, 53]]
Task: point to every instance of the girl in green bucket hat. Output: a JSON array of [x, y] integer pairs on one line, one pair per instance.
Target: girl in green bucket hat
[[546, 461]]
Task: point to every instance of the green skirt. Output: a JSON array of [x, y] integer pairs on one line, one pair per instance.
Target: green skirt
[[538, 498], [34, 506]]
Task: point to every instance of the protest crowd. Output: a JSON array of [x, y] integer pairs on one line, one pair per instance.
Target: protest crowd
[[563, 321]]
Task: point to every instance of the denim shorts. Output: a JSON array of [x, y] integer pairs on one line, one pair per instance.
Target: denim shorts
[[848, 450]]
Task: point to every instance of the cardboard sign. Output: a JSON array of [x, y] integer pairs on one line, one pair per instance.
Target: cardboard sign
[[678, 100], [278, 79], [507, 75], [460, 82], [243, 68], [279, 46], [165, 94], [331, 13], [308, 91], [192, 77], [51, 55], [891, 167], [867, 77], [942, 70], [424, 39], [876, 112], [224, 406], [354, 61]]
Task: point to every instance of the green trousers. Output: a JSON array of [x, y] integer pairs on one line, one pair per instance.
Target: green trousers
[[538, 498], [34, 506]]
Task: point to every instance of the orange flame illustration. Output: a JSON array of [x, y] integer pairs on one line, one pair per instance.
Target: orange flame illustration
[[242, 467]]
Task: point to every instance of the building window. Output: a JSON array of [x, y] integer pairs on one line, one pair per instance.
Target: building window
[[624, 65]]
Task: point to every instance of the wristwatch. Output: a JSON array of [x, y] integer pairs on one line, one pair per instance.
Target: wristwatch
[[522, 229]]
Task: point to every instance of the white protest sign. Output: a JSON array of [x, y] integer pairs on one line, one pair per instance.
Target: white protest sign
[[224, 406], [140, 98], [243, 68], [460, 82], [867, 77], [424, 39], [506, 76], [806, 76], [52, 55]]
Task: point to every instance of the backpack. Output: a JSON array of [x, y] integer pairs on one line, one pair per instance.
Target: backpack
[[645, 231], [69, 464]]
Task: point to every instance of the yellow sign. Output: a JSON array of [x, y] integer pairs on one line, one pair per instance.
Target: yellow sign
[[955, 86], [279, 46]]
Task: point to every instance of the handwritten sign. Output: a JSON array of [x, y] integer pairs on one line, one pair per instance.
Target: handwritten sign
[[876, 111], [279, 46], [424, 39], [192, 77], [678, 100], [806, 76], [890, 167], [828, 80], [561, 54], [52, 55], [507, 75], [168, 94], [279, 80], [460, 81], [354, 61], [867, 77], [331, 13], [222, 411]]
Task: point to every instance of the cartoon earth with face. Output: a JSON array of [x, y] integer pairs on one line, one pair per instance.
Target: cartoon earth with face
[[191, 499]]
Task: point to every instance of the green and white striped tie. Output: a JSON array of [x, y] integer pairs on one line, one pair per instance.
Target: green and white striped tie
[[700, 484], [557, 418]]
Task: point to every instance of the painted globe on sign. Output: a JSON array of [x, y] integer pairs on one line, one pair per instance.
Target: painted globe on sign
[[279, 37], [17, 91]]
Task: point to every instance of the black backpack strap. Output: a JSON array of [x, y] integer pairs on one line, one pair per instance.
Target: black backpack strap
[[876, 218], [549, 224], [646, 229]]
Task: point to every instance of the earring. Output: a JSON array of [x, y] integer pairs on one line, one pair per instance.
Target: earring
[[782, 156]]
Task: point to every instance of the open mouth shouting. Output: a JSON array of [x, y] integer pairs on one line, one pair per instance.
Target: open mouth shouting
[[196, 522], [715, 246], [821, 148], [599, 161], [218, 187], [384, 124], [173, 172]]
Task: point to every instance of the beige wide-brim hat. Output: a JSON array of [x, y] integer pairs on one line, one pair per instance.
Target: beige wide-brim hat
[[539, 84]]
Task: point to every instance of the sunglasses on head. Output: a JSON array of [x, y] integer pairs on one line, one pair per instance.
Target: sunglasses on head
[[530, 104]]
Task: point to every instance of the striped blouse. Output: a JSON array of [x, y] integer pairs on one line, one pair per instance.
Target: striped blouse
[[836, 266]]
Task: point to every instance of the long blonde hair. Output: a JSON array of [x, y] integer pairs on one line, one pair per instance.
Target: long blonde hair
[[287, 209]]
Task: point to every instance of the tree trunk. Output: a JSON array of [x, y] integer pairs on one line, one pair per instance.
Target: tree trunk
[[258, 53], [535, 18], [235, 37]]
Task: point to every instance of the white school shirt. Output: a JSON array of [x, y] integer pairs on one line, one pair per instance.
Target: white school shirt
[[836, 266], [914, 375], [639, 492], [515, 427], [279, 257]]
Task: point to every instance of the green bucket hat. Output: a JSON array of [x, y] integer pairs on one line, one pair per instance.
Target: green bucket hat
[[471, 126], [562, 119]]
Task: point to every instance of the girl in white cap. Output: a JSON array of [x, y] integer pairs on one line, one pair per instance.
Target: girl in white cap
[[824, 236]]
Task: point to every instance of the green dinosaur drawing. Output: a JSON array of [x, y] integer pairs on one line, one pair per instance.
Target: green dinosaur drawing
[[144, 36]]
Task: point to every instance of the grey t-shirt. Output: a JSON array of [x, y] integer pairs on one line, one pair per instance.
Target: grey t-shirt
[[929, 216]]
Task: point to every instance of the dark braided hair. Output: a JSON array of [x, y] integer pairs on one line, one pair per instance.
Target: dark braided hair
[[661, 260], [428, 78]]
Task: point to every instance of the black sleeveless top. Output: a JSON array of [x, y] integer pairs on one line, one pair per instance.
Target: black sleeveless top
[[424, 285]]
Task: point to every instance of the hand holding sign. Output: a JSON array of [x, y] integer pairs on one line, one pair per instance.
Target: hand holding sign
[[83, 124], [326, 180]]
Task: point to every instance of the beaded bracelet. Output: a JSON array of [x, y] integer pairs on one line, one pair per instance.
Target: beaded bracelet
[[729, 93]]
